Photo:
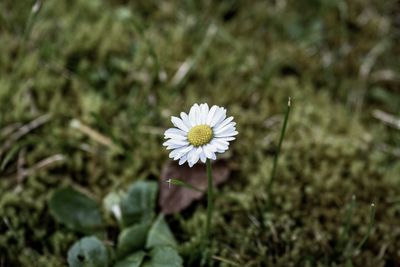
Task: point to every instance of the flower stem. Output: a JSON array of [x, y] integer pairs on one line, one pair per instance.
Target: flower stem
[[210, 204]]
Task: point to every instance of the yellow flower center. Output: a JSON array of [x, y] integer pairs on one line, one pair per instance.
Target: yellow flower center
[[200, 135]]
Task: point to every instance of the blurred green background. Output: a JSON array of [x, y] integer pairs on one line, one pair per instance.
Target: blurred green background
[[87, 88]]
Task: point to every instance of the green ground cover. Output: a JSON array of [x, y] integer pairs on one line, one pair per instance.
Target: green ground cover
[[122, 68]]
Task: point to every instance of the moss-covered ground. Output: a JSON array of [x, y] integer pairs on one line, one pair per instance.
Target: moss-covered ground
[[122, 68]]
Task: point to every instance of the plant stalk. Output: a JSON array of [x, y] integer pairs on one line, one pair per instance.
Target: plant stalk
[[370, 226], [275, 164], [210, 207], [210, 200]]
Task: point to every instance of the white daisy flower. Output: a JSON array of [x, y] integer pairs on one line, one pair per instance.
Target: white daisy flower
[[200, 135]]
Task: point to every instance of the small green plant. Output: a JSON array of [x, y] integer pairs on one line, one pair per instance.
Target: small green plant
[[144, 240], [200, 136]]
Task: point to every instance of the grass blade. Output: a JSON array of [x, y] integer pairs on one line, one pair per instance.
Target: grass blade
[[273, 172], [183, 184], [370, 226]]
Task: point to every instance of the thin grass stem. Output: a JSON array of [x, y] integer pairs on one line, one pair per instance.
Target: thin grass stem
[[27, 32], [275, 164], [366, 236], [347, 222], [370, 226]]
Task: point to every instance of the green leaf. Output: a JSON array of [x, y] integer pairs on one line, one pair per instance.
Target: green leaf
[[134, 260], [138, 204], [132, 239], [75, 210], [160, 234], [183, 184], [112, 204], [88, 252], [9, 156], [164, 256]]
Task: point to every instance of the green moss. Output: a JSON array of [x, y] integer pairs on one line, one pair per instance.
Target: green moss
[[111, 65]]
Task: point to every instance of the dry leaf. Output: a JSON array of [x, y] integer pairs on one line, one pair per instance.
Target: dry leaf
[[174, 198]]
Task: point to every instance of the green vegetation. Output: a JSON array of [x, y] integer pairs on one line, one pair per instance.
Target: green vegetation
[[139, 231], [87, 88]]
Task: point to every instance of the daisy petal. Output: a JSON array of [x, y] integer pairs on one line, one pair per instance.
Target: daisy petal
[[175, 131], [224, 123], [203, 113], [211, 147], [227, 128], [173, 146], [179, 124], [228, 134], [175, 137], [190, 156], [182, 159], [203, 157], [208, 151], [231, 138], [185, 119], [211, 113], [221, 150], [219, 144], [194, 157], [179, 152], [219, 116], [185, 151], [193, 114], [213, 156], [175, 142]]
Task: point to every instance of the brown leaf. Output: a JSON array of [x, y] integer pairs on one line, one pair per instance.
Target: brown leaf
[[172, 198]]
